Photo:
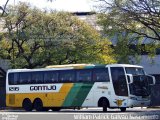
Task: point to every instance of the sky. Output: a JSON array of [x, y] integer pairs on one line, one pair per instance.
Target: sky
[[64, 5]]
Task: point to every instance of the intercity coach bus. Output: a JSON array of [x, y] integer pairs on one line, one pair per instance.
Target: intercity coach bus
[[77, 86]]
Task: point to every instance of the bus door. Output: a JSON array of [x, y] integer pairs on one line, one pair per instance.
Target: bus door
[[119, 86]]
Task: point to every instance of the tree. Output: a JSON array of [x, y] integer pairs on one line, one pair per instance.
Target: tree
[[36, 38], [3, 8], [136, 16], [129, 22], [125, 50]]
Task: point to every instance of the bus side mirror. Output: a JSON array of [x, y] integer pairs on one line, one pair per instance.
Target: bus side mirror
[[151, 79], [130, 78]]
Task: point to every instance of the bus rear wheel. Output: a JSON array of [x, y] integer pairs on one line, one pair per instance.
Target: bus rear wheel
[[27, 104], [45, 109], [56, 108], [38, 105]]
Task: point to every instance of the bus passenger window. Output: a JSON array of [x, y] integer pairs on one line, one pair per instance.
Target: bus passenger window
[[50, 77], [67, 76], [24, 78], [101, 75], [84, 75], [13, 78], [37, 77]]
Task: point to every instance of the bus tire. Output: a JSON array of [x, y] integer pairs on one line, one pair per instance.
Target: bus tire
[[56, 108], [123, 109], [45, 109], [27, 104], [104, 103], [38, 104], [104, 109]]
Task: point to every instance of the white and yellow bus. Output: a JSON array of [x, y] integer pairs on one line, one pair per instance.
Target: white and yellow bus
[[77, 86]]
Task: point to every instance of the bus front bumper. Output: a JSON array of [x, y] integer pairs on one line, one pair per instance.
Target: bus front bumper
[[138, 102]]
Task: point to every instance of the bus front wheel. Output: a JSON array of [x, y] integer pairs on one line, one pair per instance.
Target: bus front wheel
[[38, 105], [105, 105], [27, 104], [123, 109], [104, 109]]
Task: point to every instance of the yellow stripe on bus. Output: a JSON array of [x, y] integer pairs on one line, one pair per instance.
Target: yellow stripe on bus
[[54, 99]]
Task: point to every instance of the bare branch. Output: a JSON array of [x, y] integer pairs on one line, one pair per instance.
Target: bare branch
[[4, 8]]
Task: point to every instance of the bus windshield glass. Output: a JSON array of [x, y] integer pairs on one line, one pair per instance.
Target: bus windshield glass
[[140, 85], [135, 71]]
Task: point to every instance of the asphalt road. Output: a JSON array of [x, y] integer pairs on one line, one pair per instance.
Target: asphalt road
[[83, 114]]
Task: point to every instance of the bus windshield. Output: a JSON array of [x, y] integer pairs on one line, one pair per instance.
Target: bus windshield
[[135, 71], [140, 85]]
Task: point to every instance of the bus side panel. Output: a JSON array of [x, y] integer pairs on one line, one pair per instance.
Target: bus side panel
[[56, 99], [16, 99], [104, 89], [77, 94], [99, 90], [49, 99]]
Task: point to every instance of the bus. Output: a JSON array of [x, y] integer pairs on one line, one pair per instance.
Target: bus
[[78, 86]]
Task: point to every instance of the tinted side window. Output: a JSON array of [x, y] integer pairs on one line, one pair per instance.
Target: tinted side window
[[37, 77], [13, 78], [84, 75], [119, 81], [50, 77], [24, 78], [67, 76], [101, 75]]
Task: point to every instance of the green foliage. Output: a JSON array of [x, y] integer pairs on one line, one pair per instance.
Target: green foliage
[[136, 16], [138, 19], [35, 38], [124, 50], [121, 38]]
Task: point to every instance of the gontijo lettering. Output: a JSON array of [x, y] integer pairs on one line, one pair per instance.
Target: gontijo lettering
[[37, 88]]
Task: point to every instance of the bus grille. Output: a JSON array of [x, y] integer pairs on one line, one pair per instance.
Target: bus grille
[[12, 99]]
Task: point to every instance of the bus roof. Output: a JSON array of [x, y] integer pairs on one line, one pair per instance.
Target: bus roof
[[123, 65], [92, 65], [74, 66], [69, 65]]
